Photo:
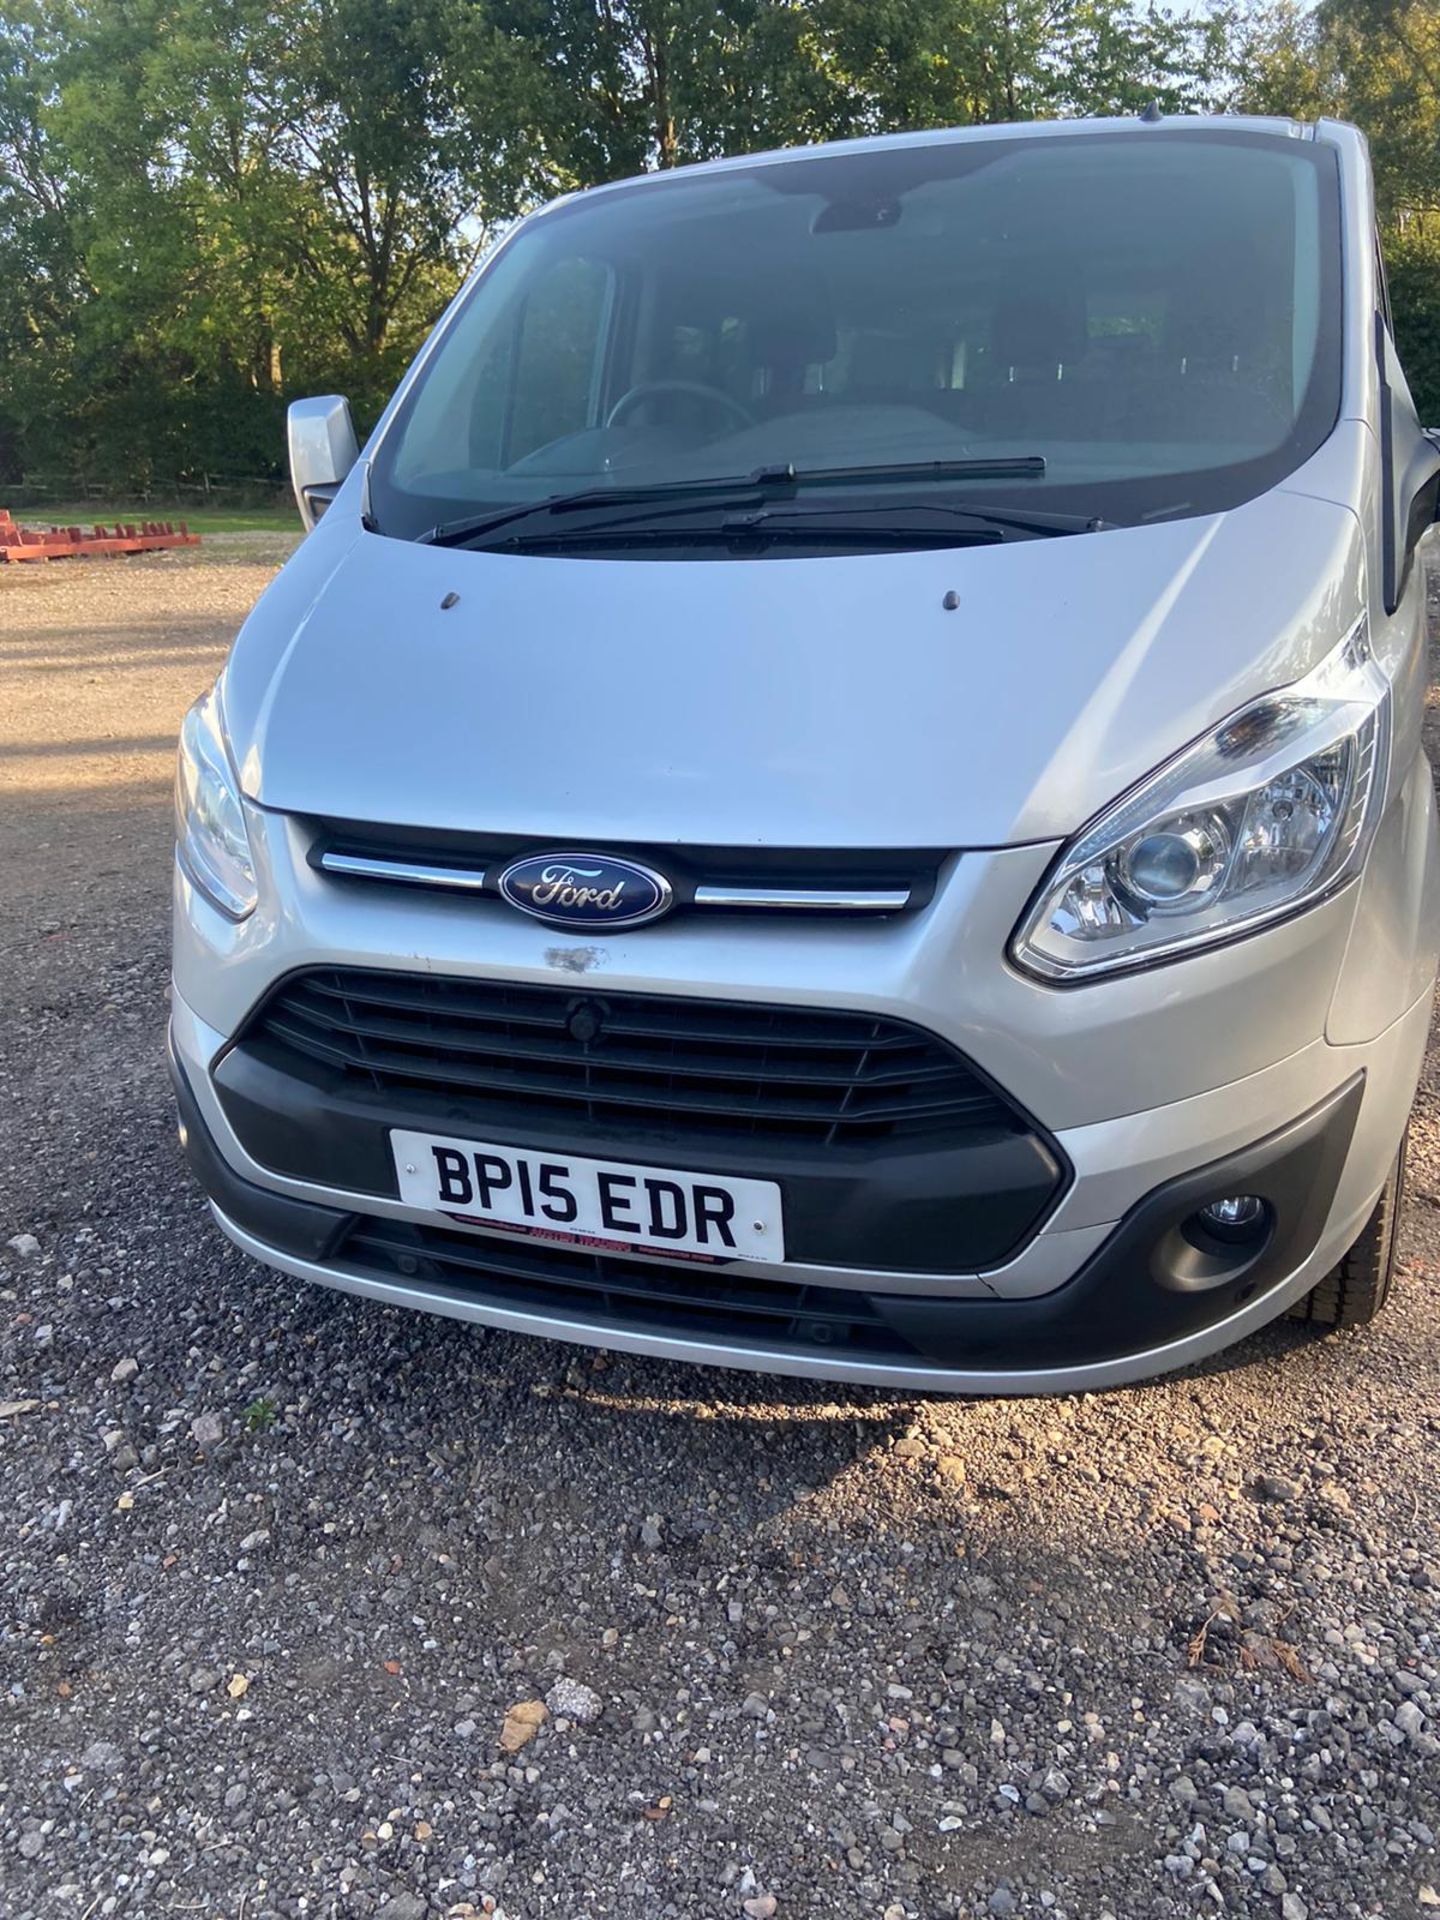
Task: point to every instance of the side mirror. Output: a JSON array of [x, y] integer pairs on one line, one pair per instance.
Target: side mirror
[[323, 449]]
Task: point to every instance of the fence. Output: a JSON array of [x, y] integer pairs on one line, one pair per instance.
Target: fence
[[195, 490]]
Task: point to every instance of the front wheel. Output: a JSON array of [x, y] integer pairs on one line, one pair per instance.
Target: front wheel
[[1355, 1291]]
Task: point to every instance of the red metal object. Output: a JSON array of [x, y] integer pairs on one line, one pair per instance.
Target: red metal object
[[67, 543]]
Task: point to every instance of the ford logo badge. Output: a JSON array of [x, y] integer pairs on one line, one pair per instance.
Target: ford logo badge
[[585, 890]]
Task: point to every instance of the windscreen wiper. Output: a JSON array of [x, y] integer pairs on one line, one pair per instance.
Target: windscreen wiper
[[1024, 466], [735, 521], [455, 533], [786, 529], [1018, 520], [779, 479]]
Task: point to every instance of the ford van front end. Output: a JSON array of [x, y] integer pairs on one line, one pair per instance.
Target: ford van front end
[[838, 788]]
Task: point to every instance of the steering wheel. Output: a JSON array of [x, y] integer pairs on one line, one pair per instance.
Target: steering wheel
[[696, 389]]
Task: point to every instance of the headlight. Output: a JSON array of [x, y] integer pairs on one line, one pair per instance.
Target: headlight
[[1260, 818], [210, 835]]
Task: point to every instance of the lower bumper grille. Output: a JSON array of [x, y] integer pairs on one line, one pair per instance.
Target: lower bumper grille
[[571, 1283], [704, 1066], [892, 1152]]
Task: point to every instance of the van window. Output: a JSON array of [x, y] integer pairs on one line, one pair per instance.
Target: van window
[[534, 381], [1156, 313]]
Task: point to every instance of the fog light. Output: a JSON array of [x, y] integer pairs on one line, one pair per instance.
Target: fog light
[[1233, 1212], [1235, 1218]]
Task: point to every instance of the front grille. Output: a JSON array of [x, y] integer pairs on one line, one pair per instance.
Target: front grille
[[598, 1289], [646, 1065], [907, 873]]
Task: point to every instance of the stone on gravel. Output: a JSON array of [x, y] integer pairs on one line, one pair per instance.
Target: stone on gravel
[[1270, 1486], [207, 1429], [402, 1906], [1191, 1693], [25, 1244], [124, 1370], [522, 1723], [571, 1700]]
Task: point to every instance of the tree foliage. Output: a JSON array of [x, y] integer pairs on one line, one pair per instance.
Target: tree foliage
[[207, 206], [1376, 62]]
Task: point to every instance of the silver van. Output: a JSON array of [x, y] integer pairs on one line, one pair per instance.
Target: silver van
[[838, 786]]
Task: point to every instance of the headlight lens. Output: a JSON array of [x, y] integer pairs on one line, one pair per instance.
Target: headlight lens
[[1260, 818], [210, 835]]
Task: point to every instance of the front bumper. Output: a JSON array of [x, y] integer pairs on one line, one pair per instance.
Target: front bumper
[[1138, 1083], [1144, 1297]]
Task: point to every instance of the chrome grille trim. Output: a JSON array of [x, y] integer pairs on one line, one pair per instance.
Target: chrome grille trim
[[411, 873], [808, 899], [355, 866]]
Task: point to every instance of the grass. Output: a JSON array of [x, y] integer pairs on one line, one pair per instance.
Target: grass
[[280, 518], [260, 1415]]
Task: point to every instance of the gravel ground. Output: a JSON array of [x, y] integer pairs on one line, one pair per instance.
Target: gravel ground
[[280, 1567]]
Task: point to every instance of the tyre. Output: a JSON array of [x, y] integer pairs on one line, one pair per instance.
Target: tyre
[[1354, 1292]]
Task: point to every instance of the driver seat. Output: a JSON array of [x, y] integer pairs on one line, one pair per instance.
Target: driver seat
[[793, 332]]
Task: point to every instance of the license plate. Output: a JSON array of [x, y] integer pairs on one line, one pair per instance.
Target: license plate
[[600, 1203]]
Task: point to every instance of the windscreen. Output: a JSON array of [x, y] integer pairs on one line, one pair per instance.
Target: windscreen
[[1155, 315]]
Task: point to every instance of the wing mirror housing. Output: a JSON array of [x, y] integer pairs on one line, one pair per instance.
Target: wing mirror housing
[[323, 449]]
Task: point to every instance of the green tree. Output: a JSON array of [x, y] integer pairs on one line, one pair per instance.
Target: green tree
[[1376, 62], [207, 206], [42, 285], [238, 202]]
